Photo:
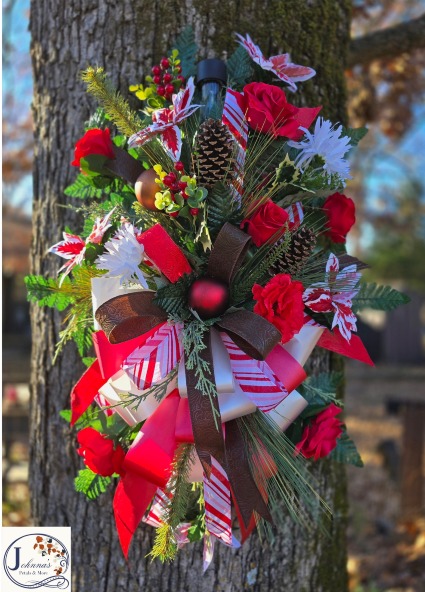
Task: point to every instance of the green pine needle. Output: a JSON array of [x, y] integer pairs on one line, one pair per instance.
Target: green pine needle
[[111, 100], [178, 487]]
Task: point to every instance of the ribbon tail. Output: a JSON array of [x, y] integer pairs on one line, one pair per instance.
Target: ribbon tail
[[86, 389], [245, 491], [132, 498], [205, 415]]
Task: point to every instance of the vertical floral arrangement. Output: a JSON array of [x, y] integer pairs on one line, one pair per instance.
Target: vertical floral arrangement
[[211, 262]]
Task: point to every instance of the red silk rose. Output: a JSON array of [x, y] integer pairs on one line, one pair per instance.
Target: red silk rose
[[341, 214], [99, 453], [267, 221], [268, 111], [94, 141], [320, 436], [281, 303]]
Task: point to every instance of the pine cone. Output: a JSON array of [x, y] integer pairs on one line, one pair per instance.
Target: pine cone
[[214, 148], [300, 248]]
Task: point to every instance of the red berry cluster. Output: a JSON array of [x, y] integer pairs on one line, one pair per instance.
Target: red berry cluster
[[167, 78], [176, 186]]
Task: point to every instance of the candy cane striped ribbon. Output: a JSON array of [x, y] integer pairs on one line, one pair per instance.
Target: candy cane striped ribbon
[[234, 118], [256, 379], [155, 515], [296, 215], [217, 503], [151, 363]]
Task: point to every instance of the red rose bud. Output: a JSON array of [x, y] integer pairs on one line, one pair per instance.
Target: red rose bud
[[94, 141], [268, 111], [267, 220], [320, 436], [341, 213], [281, 303], [99, 453]]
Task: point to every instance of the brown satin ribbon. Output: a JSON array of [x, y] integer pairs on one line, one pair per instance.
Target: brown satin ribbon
[[228, 252], [128, 316], [209, 440], [244, 488], [253, 334], [125, 166]]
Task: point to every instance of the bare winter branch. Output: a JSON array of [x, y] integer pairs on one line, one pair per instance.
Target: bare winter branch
[[388, 43]]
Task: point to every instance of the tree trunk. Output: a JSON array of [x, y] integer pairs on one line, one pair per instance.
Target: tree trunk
[[125, 37]]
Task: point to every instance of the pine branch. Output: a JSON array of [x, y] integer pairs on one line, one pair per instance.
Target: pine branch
[[178, 491], [111, 100], [322, 388], [256, 269], [378, 297]]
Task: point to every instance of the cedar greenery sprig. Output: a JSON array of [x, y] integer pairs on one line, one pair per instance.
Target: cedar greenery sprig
[[178, 491], [194, 345]]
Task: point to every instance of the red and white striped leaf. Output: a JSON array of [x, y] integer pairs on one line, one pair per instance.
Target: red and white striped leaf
[[151, 363], [255, 377], [218, 520]]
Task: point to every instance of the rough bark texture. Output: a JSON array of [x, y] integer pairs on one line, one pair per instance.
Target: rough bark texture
[[124, 37]]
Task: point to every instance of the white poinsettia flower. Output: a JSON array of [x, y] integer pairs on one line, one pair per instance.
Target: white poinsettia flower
[[123, 256], [329, 144]]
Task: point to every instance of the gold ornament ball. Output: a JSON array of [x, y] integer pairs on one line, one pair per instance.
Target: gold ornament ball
[[146, 188]]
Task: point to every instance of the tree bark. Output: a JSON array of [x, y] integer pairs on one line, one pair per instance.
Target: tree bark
[[126, 37]]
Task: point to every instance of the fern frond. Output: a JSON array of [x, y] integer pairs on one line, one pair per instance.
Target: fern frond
[[378, 297]]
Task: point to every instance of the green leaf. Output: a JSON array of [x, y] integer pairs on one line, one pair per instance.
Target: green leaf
[[173, 298], [83, 338], [321, 388], [83, 188], [188, 51], [221, 208], [46, 292], [346, 451], [355, 134], [91, 484], [98, 120], [93, 164], [88, 361], [239, 68], [378, 297], [66, 415]]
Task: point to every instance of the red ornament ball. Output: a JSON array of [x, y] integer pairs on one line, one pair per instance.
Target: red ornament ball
[[208, 297]]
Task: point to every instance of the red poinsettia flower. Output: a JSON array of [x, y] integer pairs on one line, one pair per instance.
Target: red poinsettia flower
[[281, 303], [268, 111], [99, 453], [94, 141], [267, 221], [340, 211], [320, 436]]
